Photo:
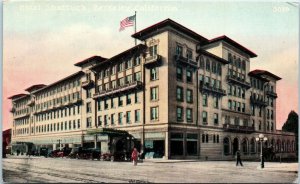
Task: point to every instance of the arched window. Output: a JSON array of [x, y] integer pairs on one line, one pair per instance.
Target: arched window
[[252, 145], [203, 138], [288, 149], [245, 146], [226, 146]]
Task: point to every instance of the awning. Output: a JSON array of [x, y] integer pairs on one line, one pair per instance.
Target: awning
[[108, 131]]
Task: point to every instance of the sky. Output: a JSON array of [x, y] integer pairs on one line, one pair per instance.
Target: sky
[[42, 40]]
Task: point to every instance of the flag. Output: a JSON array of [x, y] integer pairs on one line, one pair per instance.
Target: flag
[[127, 22]]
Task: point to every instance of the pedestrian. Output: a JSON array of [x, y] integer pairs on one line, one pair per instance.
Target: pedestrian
[[238, 158], [134, 156]]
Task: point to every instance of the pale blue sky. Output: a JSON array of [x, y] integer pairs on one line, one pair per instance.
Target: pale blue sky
[[39, 34]]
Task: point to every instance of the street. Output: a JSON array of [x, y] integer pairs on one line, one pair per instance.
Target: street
[[39, 169]]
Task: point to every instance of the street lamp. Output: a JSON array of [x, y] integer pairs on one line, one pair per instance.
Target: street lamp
[[261, 138]]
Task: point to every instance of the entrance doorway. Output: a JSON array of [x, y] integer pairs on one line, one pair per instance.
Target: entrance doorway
[[235, 145]]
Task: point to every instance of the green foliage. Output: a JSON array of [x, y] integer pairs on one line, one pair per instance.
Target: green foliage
[[291, 124]]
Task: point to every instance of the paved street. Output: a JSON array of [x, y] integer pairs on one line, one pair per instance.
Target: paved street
[[39, 169]]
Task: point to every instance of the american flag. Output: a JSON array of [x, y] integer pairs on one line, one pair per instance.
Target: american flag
[[127, 22]]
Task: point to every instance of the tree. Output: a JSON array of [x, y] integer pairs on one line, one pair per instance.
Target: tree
[[291, 125]]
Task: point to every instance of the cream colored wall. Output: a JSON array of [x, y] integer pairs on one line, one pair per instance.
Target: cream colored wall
[[162, 82], [186, 43]]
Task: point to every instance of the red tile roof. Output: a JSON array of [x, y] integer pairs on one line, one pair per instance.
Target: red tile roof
[[168, 22], [17, 96], [98, 59], [264, 72], [35, 87], [233, 43], [61, 80], [121, 55]]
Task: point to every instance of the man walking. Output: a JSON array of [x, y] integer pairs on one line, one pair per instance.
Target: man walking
[[238, 158]]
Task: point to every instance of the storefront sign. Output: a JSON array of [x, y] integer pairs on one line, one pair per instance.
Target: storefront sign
[[155, 135]]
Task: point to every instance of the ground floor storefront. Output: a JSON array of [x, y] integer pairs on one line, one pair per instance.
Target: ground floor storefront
[[172, 142]]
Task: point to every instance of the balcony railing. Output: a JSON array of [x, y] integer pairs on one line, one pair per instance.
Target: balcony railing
[[258, 102], [119, 89], [59, 105], [185, 61], [213, 90], [87, 83], [12, 110], [271, 93], [152, 60], [238, 128], [239, 81], [30, 103]]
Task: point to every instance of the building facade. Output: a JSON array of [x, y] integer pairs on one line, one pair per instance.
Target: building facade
[[178, 93]]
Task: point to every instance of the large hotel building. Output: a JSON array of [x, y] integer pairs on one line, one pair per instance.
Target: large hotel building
[[178, 93]]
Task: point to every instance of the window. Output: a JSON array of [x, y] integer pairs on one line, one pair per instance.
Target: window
[[137, 76], [243, 107], [106, 72], [214, 67], [105, 120], [88, 122], [189, 115], [243, 93], [154, 93], [207, 81], [121, 81], [179, 92], [189, 76], [113, 70], [128, 119], [128, 99], [154, 113], [112, 104], [154, 73], [112, 119], [128, 64], [137, 61], [137, 114], [120, 101], [105, 104], [120, 67], [128, 79], [237, 121], [99, 105], [120, 118], [179, 114], [204, 100], [136, 97], [179, 50], [189, 96], [207, 65], [74, 124], [216, 118], [99, 120], [229, 104], [202, 62], [216, 102], [239, 106], [259, 125], [153, 50], [179, 73], [88, 107], [189, 54], [204, 117], [114, 84]]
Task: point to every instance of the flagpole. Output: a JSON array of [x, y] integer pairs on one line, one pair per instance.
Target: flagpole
[[135, 25]]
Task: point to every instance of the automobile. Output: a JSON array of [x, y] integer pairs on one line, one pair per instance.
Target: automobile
[[44, 152]]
